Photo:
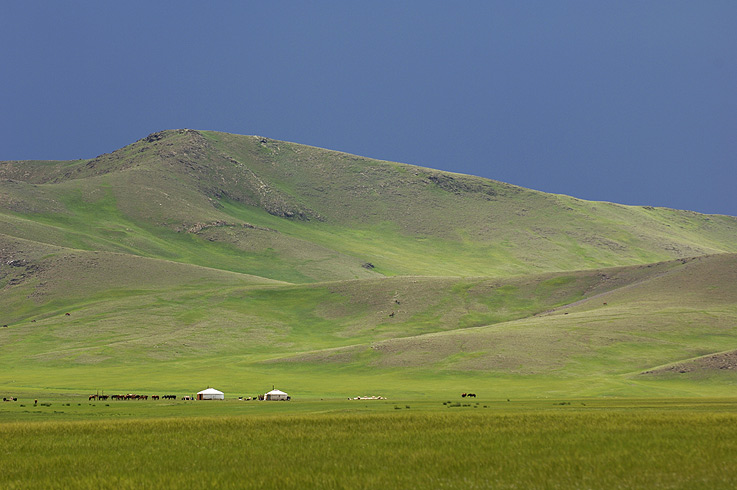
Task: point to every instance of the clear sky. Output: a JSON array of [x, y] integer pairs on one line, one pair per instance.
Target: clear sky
[[630, 101]]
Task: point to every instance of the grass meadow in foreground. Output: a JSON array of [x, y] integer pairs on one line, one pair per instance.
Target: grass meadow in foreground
[[611, 444]]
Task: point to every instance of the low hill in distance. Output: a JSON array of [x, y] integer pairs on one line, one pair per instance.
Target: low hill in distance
[[197, 257]]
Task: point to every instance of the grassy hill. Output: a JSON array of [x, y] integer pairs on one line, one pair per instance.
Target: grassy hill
[[196, 257]]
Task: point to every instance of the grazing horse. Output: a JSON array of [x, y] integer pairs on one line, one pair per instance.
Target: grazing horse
[[472, 395], [92, 397]]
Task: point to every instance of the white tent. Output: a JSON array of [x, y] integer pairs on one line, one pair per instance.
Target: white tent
[[276, 395], [210, 394]]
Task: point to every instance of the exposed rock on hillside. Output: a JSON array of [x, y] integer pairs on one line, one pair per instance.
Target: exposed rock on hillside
[[714, 362]]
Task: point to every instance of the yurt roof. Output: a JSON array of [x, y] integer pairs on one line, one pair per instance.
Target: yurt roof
[[276, 392], [210, 391]]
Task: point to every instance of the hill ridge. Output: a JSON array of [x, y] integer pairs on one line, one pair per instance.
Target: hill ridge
[[363, 210]]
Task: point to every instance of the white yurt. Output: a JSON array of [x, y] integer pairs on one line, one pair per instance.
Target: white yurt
[[276, 395], [210, 394]]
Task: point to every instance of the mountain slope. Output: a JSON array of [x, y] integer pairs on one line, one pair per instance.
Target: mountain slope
[[249, 204], [204, 255], [135, 300], [629, 324]]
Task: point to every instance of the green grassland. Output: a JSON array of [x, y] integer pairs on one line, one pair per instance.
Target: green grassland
[[544, 335], [599, 338], [193, 258], [489, 444]]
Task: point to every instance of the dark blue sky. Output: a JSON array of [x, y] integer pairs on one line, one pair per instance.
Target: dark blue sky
[[626, 101]]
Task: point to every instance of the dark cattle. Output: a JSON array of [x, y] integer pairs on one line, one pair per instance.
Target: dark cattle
[[67, 314], [154, 397], [93, 397], [464, 395], [472, 395], [391, 314]]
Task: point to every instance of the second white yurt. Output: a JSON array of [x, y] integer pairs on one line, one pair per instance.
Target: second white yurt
[[210, 394], [276, 395]]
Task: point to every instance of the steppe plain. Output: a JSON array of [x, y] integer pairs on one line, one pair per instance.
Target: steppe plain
[[599, 338]]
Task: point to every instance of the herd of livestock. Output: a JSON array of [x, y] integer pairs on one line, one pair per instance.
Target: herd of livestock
[[133, 396]]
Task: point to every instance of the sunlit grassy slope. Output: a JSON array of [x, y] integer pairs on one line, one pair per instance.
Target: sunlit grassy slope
[[194, 256], [302, 214]]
